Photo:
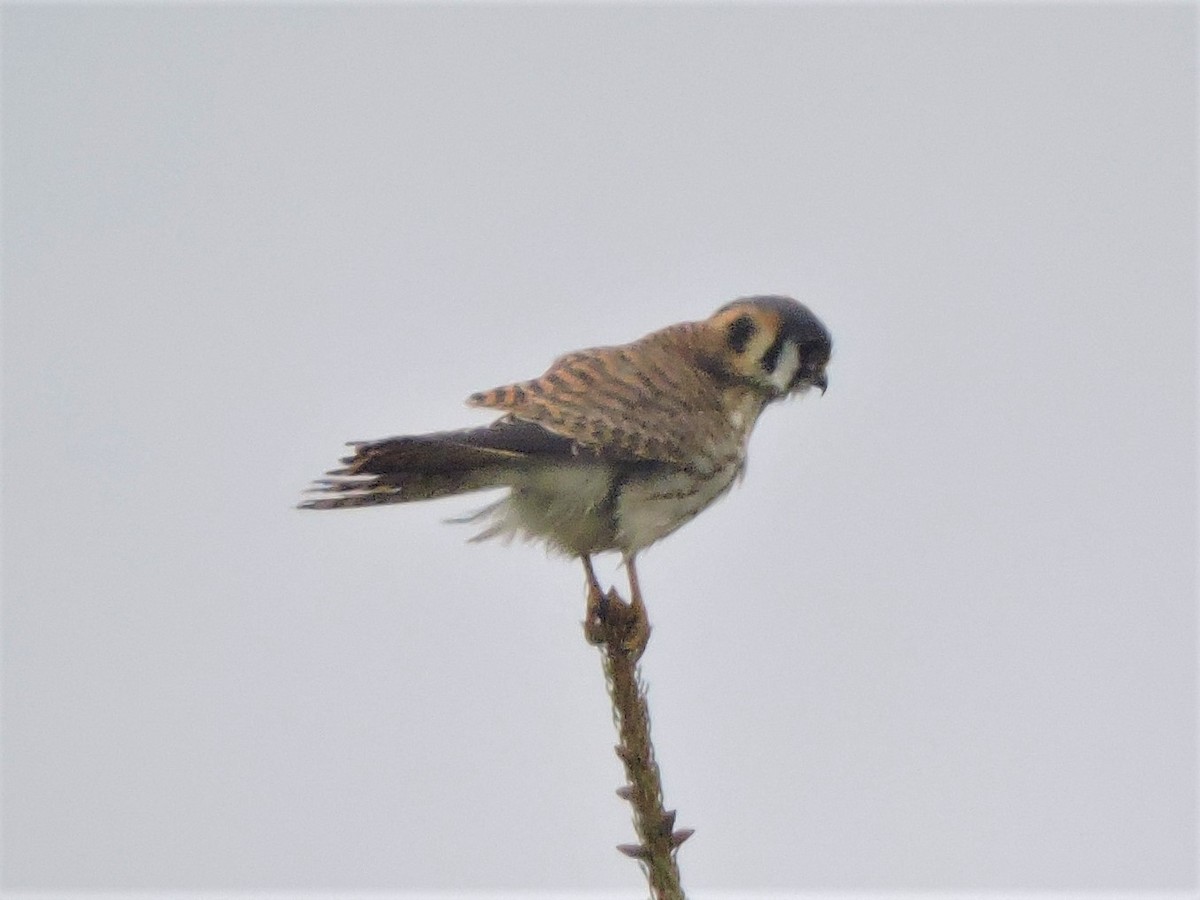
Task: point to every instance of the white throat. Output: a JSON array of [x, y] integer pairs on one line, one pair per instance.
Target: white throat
[[786, 367]]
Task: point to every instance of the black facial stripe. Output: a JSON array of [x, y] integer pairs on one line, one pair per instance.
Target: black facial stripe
[[740, 332], [771, 358]]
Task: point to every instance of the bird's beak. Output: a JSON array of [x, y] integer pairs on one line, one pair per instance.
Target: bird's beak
[[822, 382]]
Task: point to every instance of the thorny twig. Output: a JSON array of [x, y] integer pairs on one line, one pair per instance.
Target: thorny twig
[[658, 838]]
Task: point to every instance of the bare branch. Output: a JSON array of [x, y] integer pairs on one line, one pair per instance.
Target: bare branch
[[658, 841]]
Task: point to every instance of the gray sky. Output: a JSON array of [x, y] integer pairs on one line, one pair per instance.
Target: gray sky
[[942, 637]]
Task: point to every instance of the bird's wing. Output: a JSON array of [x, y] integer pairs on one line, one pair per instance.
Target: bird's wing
[[645, 401]]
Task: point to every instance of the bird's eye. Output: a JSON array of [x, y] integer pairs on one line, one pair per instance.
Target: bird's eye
[[741, 330]]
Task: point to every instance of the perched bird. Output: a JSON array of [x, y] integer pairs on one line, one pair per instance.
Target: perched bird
[[613, 448]]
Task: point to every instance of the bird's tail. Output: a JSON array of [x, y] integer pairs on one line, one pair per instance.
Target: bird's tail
[[418, 467], [428, 466]]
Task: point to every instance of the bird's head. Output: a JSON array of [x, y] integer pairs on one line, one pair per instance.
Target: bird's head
[[772, 343]]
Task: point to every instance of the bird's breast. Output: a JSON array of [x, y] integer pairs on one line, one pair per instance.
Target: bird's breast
[[652, 505]]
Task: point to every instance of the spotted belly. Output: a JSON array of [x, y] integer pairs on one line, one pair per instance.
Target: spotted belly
[[652, 505]]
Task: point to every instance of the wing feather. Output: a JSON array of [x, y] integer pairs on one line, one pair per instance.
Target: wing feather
[[649, 400]]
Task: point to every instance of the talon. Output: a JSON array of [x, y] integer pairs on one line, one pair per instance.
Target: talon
[[595, 618], [637, 634], [638, 637], [637, 623]]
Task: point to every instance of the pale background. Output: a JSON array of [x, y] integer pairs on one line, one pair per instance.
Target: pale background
[[943, 636]]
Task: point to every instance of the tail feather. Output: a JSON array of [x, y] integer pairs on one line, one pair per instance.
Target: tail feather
[[428, 466]]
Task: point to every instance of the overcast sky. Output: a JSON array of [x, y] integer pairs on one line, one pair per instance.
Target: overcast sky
[[942, 637]]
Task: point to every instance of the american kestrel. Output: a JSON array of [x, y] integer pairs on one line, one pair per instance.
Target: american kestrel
[[613, 448]]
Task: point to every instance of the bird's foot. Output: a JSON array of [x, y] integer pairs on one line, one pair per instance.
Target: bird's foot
[[637, 629], [595, 620], [610, 620]]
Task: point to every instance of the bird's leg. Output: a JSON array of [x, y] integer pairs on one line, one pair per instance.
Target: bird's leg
[[639, 627], [609, 617], [597, 605]]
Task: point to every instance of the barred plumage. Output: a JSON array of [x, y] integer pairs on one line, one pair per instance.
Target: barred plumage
[[612, 448]]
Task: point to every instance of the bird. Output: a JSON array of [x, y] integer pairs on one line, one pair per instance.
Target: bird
[[612, 448]]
